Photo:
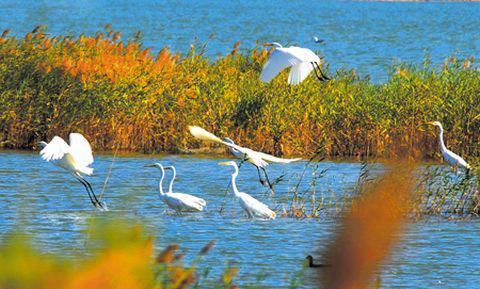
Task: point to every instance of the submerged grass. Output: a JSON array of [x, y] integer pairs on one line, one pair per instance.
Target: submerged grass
[[121, 96]]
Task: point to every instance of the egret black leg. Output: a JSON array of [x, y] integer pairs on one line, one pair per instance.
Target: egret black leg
[[88, 191], [321, 76], [89, 188], [94, 196], [315, 70], [262, 181], [325, 78], [268, 180]]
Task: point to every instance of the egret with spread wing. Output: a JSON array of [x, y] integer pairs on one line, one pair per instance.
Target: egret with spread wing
[[74, 158], [178, 201], [258, 159], [450, 157], [317, 40], [252, 206], [302, 61]]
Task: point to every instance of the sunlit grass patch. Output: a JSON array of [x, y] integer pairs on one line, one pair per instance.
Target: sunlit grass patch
[[121, 96]]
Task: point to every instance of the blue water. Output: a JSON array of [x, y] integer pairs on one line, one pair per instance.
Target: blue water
[[366, 36], [50, 205]]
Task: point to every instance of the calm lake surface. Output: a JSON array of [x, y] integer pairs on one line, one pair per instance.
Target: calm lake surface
[[46, 202], [367, 36]]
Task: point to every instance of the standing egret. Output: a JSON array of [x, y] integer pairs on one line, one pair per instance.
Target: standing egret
[[178, 201], [450, 157], [74, 158], [302, 61], [252, 206], [170, 187], [258, 159]]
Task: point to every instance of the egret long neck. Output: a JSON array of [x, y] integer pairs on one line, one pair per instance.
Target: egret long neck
[[234, 182], [170, 187], [160, 189], [440, 139]]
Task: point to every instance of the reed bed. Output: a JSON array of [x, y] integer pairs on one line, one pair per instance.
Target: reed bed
[[438, 192], [123, 97]]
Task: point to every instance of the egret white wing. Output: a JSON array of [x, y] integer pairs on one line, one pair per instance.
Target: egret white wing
[[81, 150], [299, 72], [255, 158], [455, 160], [256, 207], [202, 134], [275, 159], [186, 201], [191, 198], [279, 59], [303, 54], [55, 149]]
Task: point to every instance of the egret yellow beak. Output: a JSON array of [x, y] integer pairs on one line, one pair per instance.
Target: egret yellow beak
[[267, 44], [431, 122], [224, 163]]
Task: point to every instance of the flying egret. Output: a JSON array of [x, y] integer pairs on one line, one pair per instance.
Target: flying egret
[[302, 61], [258, 159], [317, 40], [252, 206], [450, 157], [74, 158], [178, 201]]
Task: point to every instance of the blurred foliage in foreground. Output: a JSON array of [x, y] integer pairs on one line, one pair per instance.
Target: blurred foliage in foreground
[[122, 97], [123, 258]]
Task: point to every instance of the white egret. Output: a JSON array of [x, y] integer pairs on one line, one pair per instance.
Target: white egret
[[170, 187], [317, 40], [450, 157], [258, 159], [252, 206], [178, 201], [302, 61], [74, 158]]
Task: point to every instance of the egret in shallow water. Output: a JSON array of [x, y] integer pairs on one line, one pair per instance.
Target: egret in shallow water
[[75, 158], [170, 186], [252, 206], [302, 61], [450, 157], [258, 159], [178, 201]]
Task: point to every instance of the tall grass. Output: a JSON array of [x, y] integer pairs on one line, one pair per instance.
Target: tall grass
[[121, 96], [438, 192]]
